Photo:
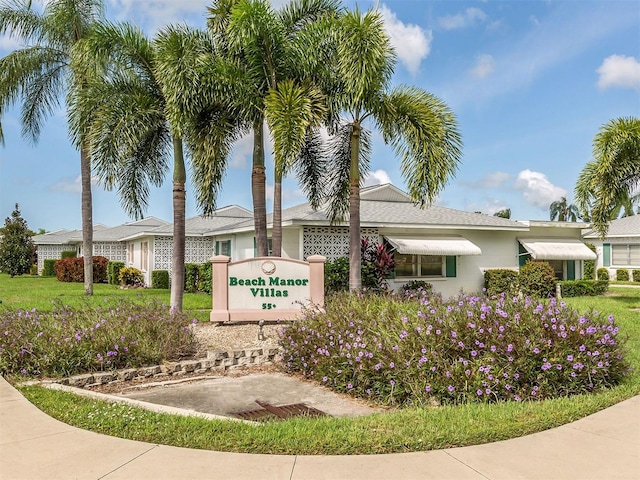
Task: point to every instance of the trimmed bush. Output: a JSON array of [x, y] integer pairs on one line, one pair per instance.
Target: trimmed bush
[[191, 277], [413, 286], [501, 280], [113, 272], [589, 265], [205, 284], [48, 270], [636, 275], [622, 275], [582, 288], [603, 273], [68, 254], [33, 270], [462, 350], [160, 279], [131, 277], [72, 269], [336, 275], [537, 279]]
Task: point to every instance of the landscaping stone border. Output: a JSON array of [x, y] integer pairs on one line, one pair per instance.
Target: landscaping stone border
[[216, 362]]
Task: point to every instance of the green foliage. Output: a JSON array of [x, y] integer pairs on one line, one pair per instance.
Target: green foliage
[[192, 277], [48, 270], [636, 275], [336, 275], [16, 247], [603, 274], [33, 270], [462, 350], [537, 279], [583, 288], [113, 272], [131, 277], [376, 266], [622, 275], [205, 283], [117, 335], [413, 286], [589, 265], [501, 280], [68, 254], [160, 279], [72, 269]]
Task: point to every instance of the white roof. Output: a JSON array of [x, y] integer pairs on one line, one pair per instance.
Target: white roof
[[622, 227], [557, 249], [434, 246]]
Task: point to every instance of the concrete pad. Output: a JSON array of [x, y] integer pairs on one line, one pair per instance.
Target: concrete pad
[[436, 465], [622, 422], [170, 463], [228, 395]]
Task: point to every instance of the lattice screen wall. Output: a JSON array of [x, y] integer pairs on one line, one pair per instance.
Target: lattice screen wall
[[116, 251], [332, 242], [197, 250], [46, 252], [162, 253]]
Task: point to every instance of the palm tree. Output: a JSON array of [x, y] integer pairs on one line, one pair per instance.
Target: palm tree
[[420, 127], [279, 53], [136, 118], [614, 173], [504, 213], [41, 74], [563, 212]]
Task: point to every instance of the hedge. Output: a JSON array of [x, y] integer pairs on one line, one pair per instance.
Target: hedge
[[72, 269], [113, 272], [636, 275], [580, 288], [622, 275], [160, 279], [499, 280], [49, 268], [537, 279], [68, 254], [603, 274]]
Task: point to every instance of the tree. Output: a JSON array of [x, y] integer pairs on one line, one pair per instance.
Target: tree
[[133, 116], [41, 74], [420, 127], [16, 247], [563, 211], [278, 53], [504, 213], [613, 174]]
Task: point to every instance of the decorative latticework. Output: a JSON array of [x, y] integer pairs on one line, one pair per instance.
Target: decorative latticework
[[47, 252], [332, 242], [162, 253], [198, 249], [115, 251]]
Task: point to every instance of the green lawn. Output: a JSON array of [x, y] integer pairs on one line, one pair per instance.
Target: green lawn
[[396, 431]]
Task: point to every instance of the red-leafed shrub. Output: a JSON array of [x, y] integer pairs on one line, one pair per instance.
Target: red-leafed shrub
[[72, 269]]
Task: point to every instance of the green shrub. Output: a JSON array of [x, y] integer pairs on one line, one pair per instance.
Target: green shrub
[[582, 288], [191, 277], [336, 275], [205, 284], [113, 272], [622, 275], [131, 277], [589, 265], [72, 269], [68, 254], [33, 270], [376, 267], [117, 335], [462, 350], [603, 274], [415, 285], [160, 279], [537, 279], [48, 270], [501, 280], [636, 275]]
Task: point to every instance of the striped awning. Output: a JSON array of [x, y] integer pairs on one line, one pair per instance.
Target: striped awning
[[434, 246], [557, 249]]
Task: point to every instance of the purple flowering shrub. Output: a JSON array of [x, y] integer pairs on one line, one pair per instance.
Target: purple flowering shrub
[[468, 349], [66, 341]]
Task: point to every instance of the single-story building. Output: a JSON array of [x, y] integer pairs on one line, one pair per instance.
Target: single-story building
[[620, 248], [449, 248]]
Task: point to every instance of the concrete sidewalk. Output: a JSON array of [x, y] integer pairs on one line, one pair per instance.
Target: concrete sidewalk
[[605, 445]]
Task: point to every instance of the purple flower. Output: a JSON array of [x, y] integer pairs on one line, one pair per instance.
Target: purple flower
[[479, 391], [451, 388], [427, 388]]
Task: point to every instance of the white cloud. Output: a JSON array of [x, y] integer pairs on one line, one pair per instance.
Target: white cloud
[[242, 152], [492, 180], [537, 189], [8, 43], [619, 71], [488, 207], [469, 17], [485, 65], [378, 177], [154, 14], [411, 42], [72, 185]]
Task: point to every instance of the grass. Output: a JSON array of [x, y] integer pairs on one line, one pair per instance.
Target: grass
[[413, 429]]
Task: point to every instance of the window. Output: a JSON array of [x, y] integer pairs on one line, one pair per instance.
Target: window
[[625, 254], [145, 256], [130, 253], [419, 265], [223, 247], [558, 268]]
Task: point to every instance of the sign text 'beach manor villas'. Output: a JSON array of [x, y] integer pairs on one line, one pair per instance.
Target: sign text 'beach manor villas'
[[265, 288]]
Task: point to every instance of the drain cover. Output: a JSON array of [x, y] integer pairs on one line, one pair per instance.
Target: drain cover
[[271, 412]]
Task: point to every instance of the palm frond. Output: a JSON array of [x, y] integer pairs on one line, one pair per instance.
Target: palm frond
[[311, 167]]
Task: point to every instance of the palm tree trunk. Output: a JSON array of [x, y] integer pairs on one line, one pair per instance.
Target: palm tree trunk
[[258, 190], [179, 208], [355, 247], [87, 219], [276, 232]]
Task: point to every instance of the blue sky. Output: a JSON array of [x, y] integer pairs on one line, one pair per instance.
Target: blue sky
[[531, 83]]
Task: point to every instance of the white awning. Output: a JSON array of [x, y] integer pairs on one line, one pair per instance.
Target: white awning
[[557, 249], [434, 246]]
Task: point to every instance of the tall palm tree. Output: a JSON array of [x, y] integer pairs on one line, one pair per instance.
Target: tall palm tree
[[420, 127], [136, 118], [504, 213], [41, 74], [563, 211], [279, 53], [613, 174]]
